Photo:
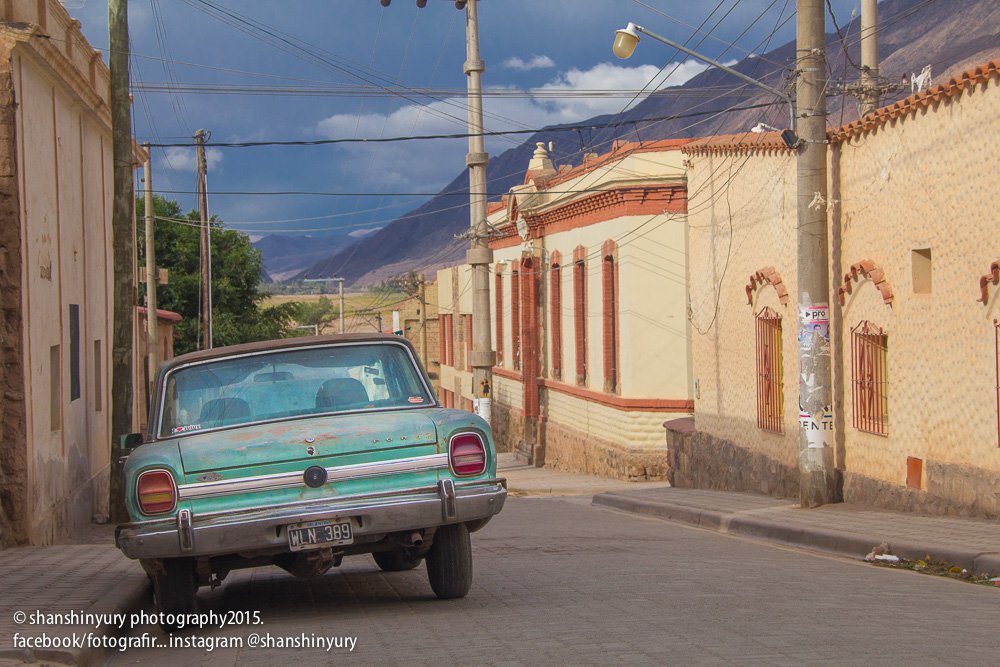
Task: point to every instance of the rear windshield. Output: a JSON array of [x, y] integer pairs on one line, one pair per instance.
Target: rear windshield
[[290, 383]]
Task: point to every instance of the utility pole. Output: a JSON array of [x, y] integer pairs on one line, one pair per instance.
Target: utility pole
[[869, 56], [816, 438], [341, 289], [423, 322], [378, 319], [151, 334], [206, 248], [122, 226], [479, 256]]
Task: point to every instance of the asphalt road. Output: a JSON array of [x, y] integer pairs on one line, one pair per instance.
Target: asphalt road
[[560, 582]]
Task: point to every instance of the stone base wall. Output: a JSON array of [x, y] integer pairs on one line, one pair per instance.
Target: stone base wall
[[699, 460], [575, 451], [952, 490], [508, 427]]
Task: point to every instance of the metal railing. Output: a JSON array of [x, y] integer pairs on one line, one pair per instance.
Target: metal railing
[[770, 385], [869, 378]]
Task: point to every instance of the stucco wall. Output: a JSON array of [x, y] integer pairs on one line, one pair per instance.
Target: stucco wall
[[920, 181], [63, 158]]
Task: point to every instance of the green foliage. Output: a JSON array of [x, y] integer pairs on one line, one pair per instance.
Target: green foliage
[[318, 312], [238, 316]]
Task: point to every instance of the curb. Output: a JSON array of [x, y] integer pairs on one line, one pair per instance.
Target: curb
[[851, 545], [129, 595]]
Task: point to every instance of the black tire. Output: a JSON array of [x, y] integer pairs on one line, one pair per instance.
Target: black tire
[[395, 561], [174, 590], [449, 562]]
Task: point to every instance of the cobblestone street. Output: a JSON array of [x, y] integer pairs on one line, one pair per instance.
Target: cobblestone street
[[561, 582]]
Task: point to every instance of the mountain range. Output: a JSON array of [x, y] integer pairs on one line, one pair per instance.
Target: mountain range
[[948, 35]]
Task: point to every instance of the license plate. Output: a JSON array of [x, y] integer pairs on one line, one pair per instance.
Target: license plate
[[318, 534]]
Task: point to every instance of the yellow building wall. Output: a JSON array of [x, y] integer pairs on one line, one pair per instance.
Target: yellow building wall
[[919, 182], [63, 144]]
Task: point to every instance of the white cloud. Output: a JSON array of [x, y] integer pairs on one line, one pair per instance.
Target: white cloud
[[536, 62], [427, 165], [360, 233], [181, 158]]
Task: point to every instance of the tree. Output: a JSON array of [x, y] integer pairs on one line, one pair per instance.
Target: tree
[[238, 315], [316, 313]]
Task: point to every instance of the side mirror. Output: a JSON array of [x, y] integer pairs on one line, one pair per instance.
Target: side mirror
[[130, 441]]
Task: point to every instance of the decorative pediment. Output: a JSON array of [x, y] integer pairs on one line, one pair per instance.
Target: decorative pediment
[[866, 269]]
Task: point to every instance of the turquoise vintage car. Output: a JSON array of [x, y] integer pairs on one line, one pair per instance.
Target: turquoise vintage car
[[300, 452]]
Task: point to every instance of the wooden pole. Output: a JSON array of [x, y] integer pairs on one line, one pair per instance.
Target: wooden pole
[[152, 337]]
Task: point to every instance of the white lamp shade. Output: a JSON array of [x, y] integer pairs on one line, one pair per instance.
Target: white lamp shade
[[625, 41]]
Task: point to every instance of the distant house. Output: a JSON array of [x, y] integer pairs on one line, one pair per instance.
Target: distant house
[[589, 312], [56, 274], [915, 263]]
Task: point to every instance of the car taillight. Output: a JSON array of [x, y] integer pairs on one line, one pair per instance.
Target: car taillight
[[156, 492], [467, 454]]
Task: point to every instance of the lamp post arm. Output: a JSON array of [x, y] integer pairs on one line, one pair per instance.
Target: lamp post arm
[[714, 63]]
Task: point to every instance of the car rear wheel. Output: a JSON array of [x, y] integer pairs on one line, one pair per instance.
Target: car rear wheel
[[449, 562], [395, 561], [174, 589]]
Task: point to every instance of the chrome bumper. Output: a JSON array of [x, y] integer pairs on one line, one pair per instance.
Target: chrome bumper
[[246, 531]]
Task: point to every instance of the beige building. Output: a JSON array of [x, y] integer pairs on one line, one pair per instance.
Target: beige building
[[589, 312], [55, 274], [914, 257]]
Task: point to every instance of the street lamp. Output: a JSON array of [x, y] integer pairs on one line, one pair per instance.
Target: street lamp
[[627, 39]]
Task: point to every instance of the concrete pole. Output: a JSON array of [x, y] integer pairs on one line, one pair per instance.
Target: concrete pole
[[206, 278], [152, 339], [341, 305], [123, 244], [479, 256], [423, 322], [869, 56], [816, 438]]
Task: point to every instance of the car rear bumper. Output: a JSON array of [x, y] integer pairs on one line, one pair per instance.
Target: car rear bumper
[[247, 531]]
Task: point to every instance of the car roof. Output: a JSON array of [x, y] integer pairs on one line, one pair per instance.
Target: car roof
[[282, 344]]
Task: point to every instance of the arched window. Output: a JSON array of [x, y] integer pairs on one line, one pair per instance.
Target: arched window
[[869, 378], [580, 312], [770, 385], [555, 312], [609, 302]]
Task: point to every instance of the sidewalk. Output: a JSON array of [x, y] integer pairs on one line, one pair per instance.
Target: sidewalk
[[527, 480], [841, 529], [90, 576]]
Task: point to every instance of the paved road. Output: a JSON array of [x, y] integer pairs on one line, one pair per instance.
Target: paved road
[[561, 582]]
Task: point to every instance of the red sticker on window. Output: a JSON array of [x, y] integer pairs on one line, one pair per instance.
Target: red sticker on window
[[416, 399]]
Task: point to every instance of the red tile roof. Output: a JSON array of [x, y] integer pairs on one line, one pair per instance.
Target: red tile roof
[[747, 142], [910, 105]]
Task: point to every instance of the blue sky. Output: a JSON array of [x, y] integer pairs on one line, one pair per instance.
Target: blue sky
[[536, 52]]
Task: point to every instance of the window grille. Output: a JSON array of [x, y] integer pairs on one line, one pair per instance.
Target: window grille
[[869, 378], [770, 386], [555, 318], [580, 319], [515, 319]]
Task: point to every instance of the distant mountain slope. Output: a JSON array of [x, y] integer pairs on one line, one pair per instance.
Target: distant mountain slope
[[948, 34], [285, 256]]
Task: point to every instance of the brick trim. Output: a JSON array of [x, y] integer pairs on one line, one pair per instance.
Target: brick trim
[[506, 374], [619, 402], [609, 315], [498, 300], [767, 276], [468, 341], [580, 313], [555, 311], [866, 268], [515, 314], [530, 336], [594, 208]]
